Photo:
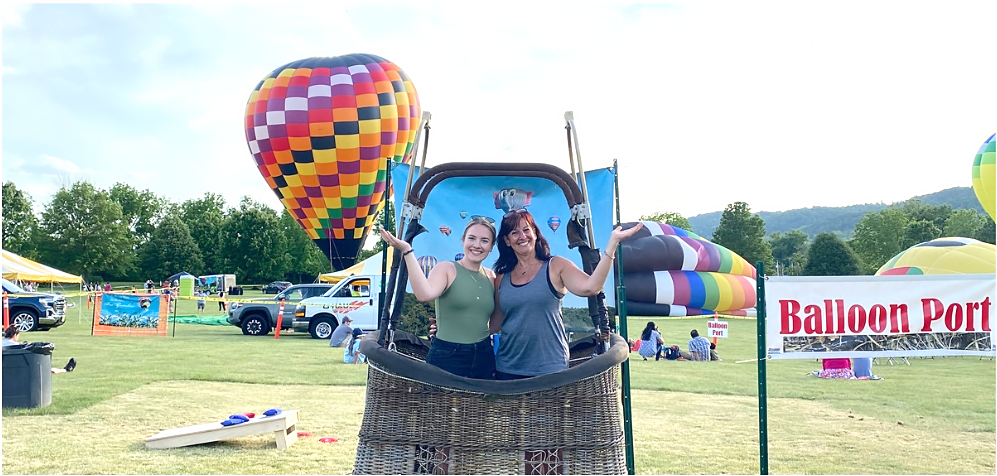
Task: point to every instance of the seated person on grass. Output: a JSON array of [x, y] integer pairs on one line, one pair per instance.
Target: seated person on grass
[[10, 335]]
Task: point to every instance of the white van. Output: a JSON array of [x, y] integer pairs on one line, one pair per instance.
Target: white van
[[355, 296]]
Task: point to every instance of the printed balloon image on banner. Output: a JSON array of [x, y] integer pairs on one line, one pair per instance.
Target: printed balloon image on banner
[[454, 202], [130, 314], [811, 317]]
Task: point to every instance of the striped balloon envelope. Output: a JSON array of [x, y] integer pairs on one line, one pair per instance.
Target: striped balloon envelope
[[984, 175], [321, 131], [670, 271]]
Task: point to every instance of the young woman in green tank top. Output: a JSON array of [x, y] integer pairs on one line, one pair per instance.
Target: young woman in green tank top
[[465, 298]]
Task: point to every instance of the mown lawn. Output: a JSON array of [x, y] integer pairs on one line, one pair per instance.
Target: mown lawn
[[934, 416]]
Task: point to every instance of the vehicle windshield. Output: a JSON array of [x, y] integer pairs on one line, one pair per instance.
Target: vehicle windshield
[[11, 287]]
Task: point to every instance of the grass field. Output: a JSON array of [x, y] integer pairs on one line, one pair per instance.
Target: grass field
[[935, 416]]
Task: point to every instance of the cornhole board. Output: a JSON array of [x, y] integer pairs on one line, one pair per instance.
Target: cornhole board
[[282, 425]]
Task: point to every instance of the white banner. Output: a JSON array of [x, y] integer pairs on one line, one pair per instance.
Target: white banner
[[716, 329], [811, 317]]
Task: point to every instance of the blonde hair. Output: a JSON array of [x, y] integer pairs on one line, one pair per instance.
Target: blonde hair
[[479, 221]]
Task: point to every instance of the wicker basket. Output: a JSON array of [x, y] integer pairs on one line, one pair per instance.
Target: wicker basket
[[564, 423]]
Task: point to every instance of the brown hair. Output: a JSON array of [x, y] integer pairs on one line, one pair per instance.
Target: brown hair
[[507, 258], [11, 331]]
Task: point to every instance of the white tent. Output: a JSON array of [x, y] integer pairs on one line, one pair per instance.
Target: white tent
[[370, 265]]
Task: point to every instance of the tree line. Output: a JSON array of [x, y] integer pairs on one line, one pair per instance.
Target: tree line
[[878, 236], [124, 234]]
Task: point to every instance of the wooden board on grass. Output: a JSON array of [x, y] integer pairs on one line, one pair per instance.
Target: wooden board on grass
[[282, 425]]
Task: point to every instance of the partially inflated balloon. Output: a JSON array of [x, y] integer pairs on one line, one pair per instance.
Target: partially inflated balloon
[[670, 271], [321, 131], [983, 176], [950, 255]]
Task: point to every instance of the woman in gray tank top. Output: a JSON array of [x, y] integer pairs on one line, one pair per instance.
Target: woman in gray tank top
[[465, 300], [530, 284]]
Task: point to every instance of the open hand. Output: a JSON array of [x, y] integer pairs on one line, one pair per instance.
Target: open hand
[[393, 241], [619, 234]]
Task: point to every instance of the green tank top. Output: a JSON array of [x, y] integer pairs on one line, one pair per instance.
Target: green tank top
[[463, 310]]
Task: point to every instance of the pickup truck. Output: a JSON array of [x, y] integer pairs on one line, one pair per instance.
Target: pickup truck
[[34, 311], [258, 317], [355, 296]]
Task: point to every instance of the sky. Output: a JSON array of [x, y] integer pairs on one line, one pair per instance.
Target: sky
[[782, 105]]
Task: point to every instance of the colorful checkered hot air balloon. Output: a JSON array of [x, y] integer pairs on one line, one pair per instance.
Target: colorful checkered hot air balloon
[[321, 131], [984, 174]]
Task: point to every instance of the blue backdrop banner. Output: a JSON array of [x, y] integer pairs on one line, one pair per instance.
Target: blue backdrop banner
[[455, 201]]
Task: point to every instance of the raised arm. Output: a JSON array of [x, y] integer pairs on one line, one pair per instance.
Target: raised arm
[[425, 289], [577, 281]]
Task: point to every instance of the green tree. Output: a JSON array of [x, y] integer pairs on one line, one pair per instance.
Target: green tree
[[986, 232], [142, 211], [373, 235], [937, 215], [305, 260], [170, 249], [744, 234], [84, 233], [878, 237], [786, 247], [830, 256], [671, 218], [919, 231], [204, 219], [19, 221], [965, 222], [255, 246]]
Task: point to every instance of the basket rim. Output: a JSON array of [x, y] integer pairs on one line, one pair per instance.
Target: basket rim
[[419, 371]]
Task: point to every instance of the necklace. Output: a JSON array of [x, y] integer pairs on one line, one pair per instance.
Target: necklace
[[525, 269], [474, 278]]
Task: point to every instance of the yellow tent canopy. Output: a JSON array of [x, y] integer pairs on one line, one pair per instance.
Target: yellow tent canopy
[[19, 268], [370, 265]]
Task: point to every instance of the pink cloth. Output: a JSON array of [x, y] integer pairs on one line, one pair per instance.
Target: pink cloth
[[831, 364]]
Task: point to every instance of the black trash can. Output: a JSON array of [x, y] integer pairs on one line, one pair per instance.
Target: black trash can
[[27, 375]]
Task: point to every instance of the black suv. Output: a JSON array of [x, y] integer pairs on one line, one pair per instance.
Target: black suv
[[276, 287]]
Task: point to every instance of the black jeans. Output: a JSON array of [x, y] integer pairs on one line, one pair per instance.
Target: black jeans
[[466, 360]]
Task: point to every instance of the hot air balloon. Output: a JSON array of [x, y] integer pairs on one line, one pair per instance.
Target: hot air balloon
[[670, 271], [554, 223], [321, 131], [446, 230], [458, 257], [983, 176], [950, 255], [463, 214], [427, 263]]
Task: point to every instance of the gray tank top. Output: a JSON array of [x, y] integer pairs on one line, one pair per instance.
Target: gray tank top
[[533, 339]]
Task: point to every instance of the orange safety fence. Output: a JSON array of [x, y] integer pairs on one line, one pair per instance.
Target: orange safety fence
[[116, 314]]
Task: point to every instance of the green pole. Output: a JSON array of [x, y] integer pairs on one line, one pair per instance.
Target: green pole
[[621, 307], [763, 433], [388, 222]]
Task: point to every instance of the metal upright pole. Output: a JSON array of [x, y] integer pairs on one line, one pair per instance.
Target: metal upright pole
[[763, 437], [621, 309]]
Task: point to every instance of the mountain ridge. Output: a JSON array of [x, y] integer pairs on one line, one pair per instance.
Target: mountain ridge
[[838, 220]]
